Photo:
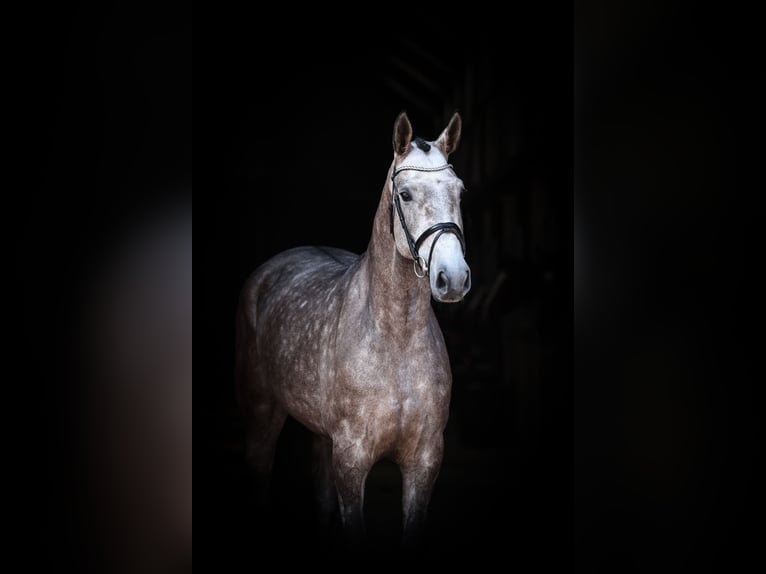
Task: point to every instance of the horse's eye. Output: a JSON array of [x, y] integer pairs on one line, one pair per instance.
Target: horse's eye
[[405, 195]]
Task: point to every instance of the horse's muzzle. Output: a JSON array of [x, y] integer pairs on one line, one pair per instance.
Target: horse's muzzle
[[451, 285]]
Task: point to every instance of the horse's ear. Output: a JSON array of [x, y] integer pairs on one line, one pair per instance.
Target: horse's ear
[[402, 134], [450, 137]]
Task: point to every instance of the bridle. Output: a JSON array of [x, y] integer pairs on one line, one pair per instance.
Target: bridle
[[420, 264]]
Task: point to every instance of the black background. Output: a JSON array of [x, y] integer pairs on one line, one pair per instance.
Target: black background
[[100, 142], [304, 141], [648, 458], [668, 290]]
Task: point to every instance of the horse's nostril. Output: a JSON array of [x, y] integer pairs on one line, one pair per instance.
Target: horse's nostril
[[441, 281], [467, 282]]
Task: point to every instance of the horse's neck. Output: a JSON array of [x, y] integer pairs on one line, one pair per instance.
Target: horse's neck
[[398, 299]]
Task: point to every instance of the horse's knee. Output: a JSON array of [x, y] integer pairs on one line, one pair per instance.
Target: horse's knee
[[418, 479], [421, 470], [349, 472], [417, 485], [349, 479]]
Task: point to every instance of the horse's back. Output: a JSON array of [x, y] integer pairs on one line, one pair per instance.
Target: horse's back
[[295, 270]]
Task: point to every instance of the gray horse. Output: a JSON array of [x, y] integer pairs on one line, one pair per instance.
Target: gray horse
[[349, 345]]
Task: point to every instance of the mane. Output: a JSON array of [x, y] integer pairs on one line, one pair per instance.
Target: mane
[[422, 144]]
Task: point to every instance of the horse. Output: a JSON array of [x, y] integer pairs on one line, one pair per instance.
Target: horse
[[349, 345]]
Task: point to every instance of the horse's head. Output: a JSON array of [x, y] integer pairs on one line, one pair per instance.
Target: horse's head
[[427, 224]]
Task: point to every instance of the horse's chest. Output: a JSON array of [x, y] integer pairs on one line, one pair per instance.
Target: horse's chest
[[386, 398], [402, 371]]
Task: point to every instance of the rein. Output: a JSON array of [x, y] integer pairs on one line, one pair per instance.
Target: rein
[[419, 263]]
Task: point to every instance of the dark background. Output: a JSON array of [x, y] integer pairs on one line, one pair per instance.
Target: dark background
[[668, 288], [666, 396], [304, 143], [98, 145], [100, 136]]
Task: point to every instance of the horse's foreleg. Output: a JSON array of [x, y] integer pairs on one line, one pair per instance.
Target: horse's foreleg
[[418, 478], [327, 496], [264, 425], [350, 465]]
